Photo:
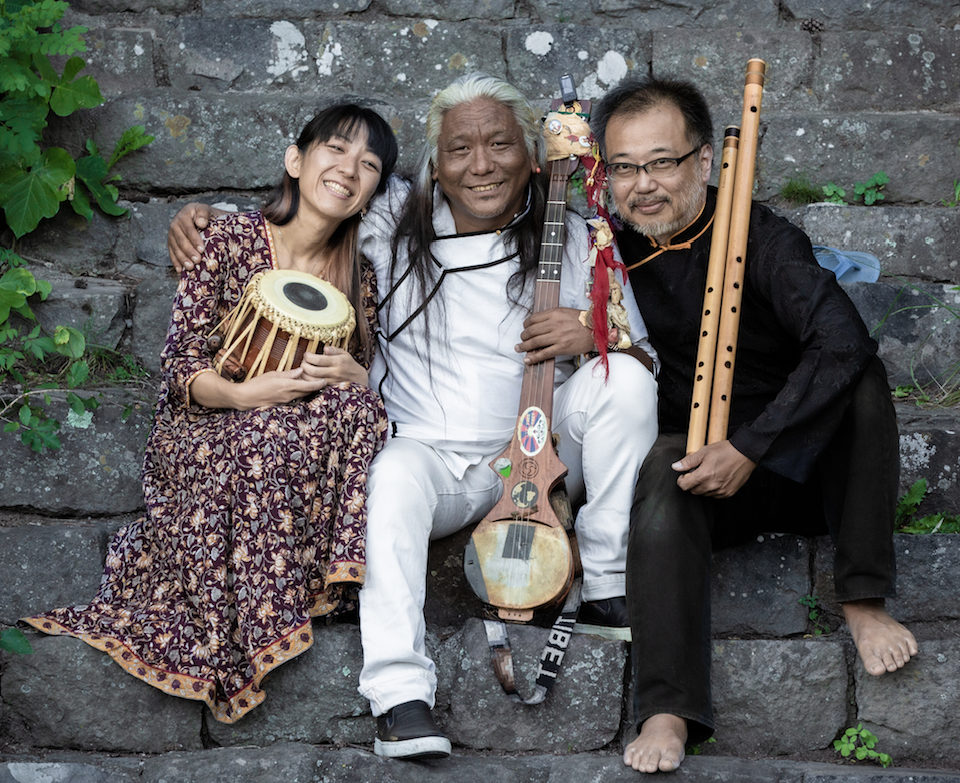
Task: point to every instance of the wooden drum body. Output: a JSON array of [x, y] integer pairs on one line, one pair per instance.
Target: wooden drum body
[[281, 315]]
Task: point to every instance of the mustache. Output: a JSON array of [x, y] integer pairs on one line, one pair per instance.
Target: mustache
[[639, 201]]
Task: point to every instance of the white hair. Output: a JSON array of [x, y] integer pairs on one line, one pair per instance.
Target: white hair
[[473, 87]]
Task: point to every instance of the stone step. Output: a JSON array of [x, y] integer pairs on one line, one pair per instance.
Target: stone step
[[765, 656], [305, 763]]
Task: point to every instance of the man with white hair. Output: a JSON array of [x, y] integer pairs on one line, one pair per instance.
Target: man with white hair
[[456, 254]]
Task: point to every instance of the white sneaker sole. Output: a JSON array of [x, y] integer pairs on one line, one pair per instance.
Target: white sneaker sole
[[419, 747], [604, 631]]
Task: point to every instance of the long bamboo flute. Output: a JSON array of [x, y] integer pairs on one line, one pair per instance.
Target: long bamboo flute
[[710, 318], [736, 252]]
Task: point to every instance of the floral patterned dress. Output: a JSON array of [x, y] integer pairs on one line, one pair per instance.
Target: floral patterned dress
[[255, 519]]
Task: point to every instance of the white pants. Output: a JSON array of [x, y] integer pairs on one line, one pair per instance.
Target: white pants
[[605, 429]]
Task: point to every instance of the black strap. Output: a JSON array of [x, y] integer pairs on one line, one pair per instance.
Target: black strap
[[550, 659]]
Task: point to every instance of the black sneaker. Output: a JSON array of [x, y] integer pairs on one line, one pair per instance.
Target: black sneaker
[[607, 618], [408, 731]]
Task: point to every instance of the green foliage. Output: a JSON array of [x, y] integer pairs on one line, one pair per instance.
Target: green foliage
[[833, 193], [871, 190], [955, 201], [906, 519], [815, 614], [697, 750], [798, 190], [14, 641], [34, 182], [860, 743]]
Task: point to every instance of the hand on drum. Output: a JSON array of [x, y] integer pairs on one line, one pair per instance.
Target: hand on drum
[[333, 366]]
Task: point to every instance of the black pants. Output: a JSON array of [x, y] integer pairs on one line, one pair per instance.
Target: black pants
[[852, 495]]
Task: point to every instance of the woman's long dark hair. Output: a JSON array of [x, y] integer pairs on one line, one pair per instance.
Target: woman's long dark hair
[[340, 121]]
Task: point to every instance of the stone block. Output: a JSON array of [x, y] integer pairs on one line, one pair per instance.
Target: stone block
[[287, 763], [312, 698], [929, 449], [202, 54], [753, 680], [582, 711], [452, 10], [202, 142], [20, 771], [890, 70], [97, 307], [928, 567], [914, 242], [69, 695], [915, 325], [918, 152], [97, 468], [721, 14], [915, 711], [716, 61], [403, 61], [755, 588], [135, 6], [864, 15], [928, 572], [71, 244], [48, 567], [599, 58], [219, 141], [119, 58], [281, 9]]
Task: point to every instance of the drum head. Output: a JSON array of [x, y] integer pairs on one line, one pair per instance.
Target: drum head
[[305, 298]]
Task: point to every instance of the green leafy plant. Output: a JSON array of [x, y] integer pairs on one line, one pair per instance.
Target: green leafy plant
[[35, 180], [14, 641], [906, 519], [697, 750], [955, 201], [798, 190], [815, 614], [833, 193], [860, 743], [871, 191]]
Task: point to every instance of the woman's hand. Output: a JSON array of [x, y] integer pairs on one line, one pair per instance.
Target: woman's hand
[[334, 366], [271, 388]]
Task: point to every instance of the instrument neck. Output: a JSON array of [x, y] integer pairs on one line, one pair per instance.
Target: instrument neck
[[537, 389]]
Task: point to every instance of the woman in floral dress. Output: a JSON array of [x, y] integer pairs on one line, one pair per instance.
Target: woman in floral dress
[[255, 492]]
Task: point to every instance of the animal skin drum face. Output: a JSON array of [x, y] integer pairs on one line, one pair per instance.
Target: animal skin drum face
[[282, 315]]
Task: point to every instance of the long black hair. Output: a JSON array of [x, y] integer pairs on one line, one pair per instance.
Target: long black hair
[[415, 232], [341, 120]]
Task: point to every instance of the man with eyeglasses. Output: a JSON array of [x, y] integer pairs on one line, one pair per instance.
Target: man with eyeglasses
[[813, 445]]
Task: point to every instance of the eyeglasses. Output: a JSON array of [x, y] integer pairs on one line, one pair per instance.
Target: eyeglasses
[[661, 167]]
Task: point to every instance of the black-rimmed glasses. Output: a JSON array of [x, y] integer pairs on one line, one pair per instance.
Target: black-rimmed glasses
[[661, 167]]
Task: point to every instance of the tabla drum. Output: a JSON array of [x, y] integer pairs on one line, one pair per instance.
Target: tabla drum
[[281, 315]]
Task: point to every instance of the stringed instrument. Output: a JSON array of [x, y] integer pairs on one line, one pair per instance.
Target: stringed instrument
[[520, 557]]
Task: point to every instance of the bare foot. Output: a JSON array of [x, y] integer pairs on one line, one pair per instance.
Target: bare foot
[[884, 645], [659, 746]]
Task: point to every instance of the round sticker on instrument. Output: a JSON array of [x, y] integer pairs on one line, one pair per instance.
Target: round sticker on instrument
[[532, 431]]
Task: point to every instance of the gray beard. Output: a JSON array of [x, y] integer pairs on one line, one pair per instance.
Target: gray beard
[[689, 201]]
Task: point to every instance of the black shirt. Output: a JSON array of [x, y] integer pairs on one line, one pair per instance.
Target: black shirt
[[802, 345]]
